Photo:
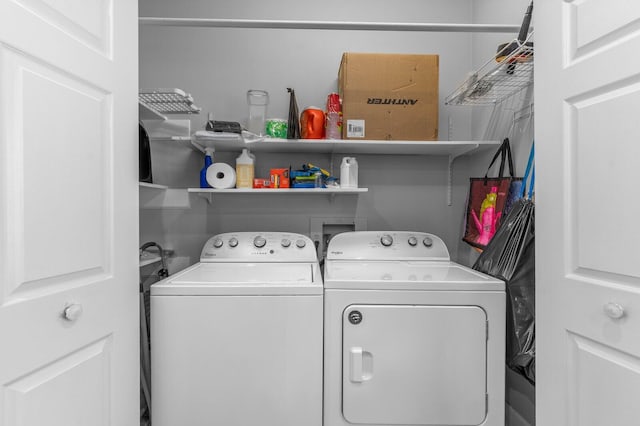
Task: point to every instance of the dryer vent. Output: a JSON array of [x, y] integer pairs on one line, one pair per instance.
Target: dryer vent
[[321, 230]]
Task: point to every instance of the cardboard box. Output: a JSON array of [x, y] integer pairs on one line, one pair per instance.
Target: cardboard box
[[389, 96]]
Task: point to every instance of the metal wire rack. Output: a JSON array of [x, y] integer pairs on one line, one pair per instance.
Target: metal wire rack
[[168, 101], [508, 72]]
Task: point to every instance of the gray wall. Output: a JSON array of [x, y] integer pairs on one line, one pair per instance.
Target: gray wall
[[217, 66]]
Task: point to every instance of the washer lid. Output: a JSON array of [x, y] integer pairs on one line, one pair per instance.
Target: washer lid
[[406, 275], [242, 279]]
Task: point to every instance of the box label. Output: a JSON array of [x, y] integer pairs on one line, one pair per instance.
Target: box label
[[355, 128]]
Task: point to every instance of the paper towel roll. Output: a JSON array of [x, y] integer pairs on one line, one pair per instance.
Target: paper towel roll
[[221, 176]]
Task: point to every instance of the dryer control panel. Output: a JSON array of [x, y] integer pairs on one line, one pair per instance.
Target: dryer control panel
[[259, 247], [391, 245]]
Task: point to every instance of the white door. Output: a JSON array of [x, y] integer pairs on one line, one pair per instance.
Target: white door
[[414, 364], [587, 82], [68, 213]]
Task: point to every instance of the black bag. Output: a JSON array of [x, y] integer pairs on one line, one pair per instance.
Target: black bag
[[144, 156], [510, 256]]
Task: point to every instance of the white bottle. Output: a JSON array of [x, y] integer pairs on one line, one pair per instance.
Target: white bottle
[[245, 169], [349, 173]]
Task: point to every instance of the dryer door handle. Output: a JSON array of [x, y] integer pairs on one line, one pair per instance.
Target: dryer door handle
[[355, 365], [360, 365]]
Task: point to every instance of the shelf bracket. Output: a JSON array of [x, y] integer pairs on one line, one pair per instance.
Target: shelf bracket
[[207, 196]]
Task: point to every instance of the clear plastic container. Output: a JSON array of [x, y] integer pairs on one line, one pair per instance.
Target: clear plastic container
[[257, 101]]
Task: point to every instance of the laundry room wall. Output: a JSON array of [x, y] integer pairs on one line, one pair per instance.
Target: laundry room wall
[[218, 65]]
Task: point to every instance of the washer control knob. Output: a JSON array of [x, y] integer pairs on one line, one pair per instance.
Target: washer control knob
[[386, 240], [413, 241], [259, 242], [428, 242], [301, 243], [233, 242], [285, 242], [217, 243]]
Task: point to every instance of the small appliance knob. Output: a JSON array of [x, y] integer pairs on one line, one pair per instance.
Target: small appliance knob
[[413, 241], [259, 242], [217, 243], [386, 240], [428, 242], [285, 242], [233, 242], [301, 243]]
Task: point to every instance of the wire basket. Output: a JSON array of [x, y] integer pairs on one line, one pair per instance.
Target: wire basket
[[508, 72], [168, 101]]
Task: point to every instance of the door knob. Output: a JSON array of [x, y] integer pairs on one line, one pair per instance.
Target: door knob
[[614, 310], [72, 312]]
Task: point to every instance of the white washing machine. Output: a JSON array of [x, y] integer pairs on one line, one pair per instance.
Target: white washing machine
[[411, 338], [237, 338]]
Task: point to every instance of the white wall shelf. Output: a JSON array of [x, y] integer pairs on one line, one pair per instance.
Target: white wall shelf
[[178, 131], [340, 146], [278, 191], [144, 186], [149, 259], [208, 193], [154, 108], [145, 112], [153, 196]]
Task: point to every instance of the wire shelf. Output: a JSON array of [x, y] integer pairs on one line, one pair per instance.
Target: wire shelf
[[168, 101], [508, 72]]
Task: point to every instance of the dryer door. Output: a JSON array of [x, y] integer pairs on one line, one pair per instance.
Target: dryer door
[[409, 364]]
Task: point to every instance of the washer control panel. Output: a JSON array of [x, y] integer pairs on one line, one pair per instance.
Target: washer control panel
[[259, 247], [392, 245]]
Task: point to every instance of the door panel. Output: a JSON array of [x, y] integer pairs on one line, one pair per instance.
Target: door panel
[[587, 271], [58, 187], [597, 140], [595, 392], [68, 213], [77, 376], [407, 364], [89, 22], [589, 31]]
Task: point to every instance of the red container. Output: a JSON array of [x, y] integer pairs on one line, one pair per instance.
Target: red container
[[333, 124], [312, 124], [333, 103], [279, 178], [261, 183]]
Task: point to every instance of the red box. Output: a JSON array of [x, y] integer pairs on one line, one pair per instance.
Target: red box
[[279, 178], [261, 183]]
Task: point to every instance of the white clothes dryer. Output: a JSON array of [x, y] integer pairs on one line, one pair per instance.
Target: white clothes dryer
[[237, 338], [411, 338]]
